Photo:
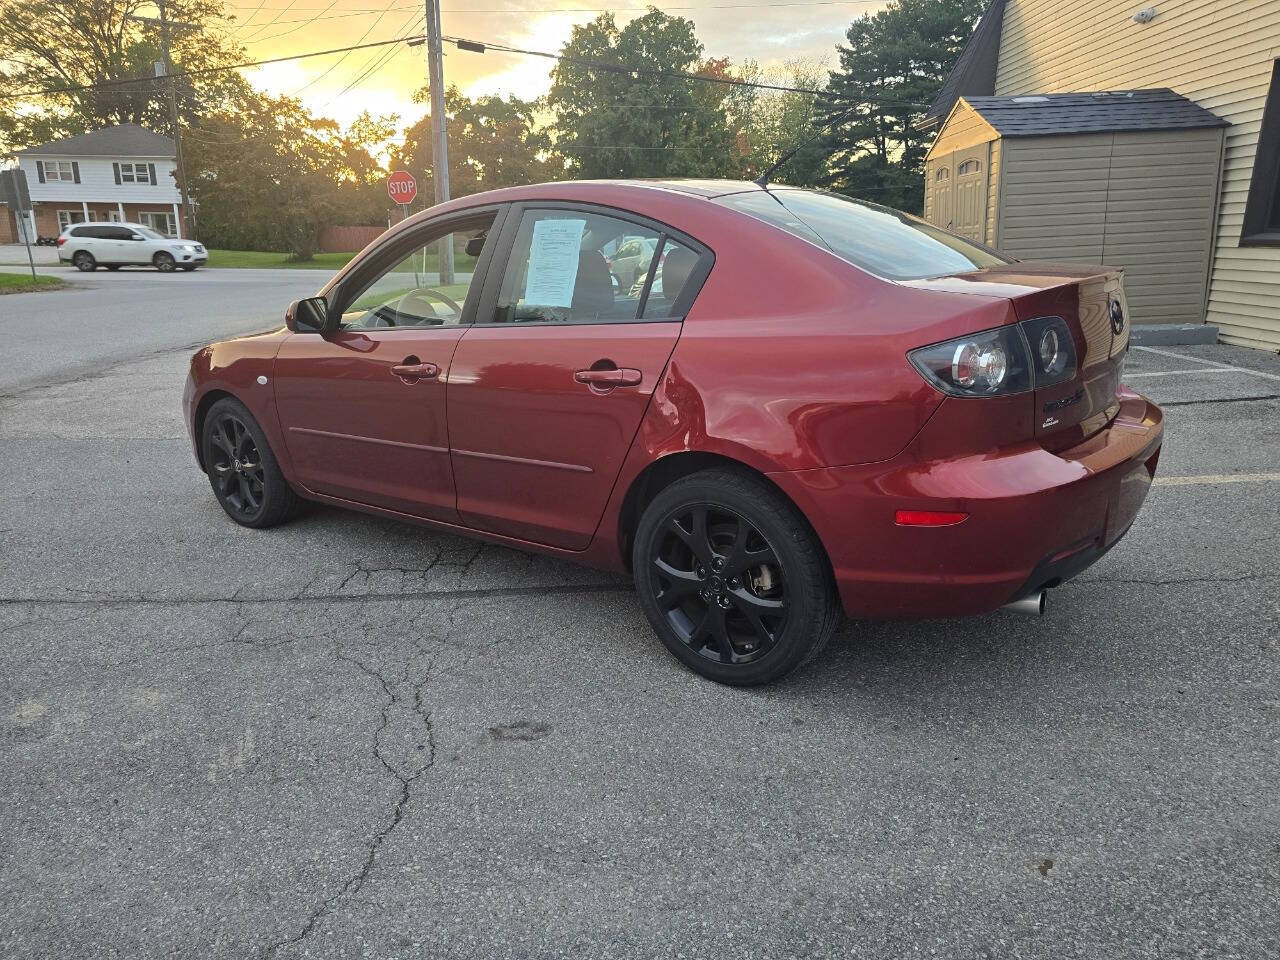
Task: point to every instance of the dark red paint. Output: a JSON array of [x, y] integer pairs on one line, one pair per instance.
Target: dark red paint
[[791, 362]]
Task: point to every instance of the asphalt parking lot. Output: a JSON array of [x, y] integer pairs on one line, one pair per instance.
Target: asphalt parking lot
[[348, 737]]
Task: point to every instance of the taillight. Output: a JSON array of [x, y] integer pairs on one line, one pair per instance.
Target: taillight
[[998, 362], [61, 241]]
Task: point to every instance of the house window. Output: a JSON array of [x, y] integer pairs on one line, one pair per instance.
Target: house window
[[67, 217], [159, 222], [56, 171], [136, 171], [969, 166], [942, 174], [1262, 210]]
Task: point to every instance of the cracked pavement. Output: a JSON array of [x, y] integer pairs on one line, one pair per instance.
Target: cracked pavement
[[348, 737]]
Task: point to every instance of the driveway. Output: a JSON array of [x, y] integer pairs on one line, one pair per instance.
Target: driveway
[[348, 737]]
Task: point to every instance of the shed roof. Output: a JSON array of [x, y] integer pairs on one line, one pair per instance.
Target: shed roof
[[1040, 115], [124, 140]]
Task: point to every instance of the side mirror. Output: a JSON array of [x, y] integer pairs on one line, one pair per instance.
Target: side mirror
[[136, 236], [308, 316]]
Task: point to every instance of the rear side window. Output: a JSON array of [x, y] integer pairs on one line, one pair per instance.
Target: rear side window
[[676, 265], [880, 240], [560, 270]]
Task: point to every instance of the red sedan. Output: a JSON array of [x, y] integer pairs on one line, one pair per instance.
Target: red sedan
[[803, 406]]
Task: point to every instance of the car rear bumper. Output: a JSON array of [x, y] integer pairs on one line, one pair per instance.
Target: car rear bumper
[[1035, 518]]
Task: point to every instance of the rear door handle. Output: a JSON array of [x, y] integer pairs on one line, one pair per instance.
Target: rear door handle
[[412, 370], [606, 379]]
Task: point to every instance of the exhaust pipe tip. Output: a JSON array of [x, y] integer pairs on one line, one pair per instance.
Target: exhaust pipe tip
[[1030, 606]]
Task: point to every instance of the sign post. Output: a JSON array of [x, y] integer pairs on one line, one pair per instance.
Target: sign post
[[14, 192]]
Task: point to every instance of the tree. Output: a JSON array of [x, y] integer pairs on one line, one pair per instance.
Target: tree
[[891, 69], [610, 122], [492, 143], [268, 175], [49, 45], [771, 122]]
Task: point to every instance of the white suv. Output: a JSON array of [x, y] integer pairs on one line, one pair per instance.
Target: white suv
[[113, 245]]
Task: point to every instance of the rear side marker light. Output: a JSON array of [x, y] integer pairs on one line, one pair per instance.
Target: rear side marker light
[[929, 518], [61, 241]]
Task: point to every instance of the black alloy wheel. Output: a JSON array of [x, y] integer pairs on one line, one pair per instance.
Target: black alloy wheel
[[243, 471], [164, 262], [732, 577], [83, 261], [719, 584], [236, 466]]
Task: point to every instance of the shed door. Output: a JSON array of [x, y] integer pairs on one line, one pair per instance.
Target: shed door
[[941, 175], [969, 191]]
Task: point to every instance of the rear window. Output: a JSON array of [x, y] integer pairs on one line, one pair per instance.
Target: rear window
[[880, 240]]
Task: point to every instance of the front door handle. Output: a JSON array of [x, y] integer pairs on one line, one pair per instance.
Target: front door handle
[[413, 370], [610, 378]]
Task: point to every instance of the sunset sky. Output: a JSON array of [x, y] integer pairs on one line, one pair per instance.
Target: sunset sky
[[769, 33]]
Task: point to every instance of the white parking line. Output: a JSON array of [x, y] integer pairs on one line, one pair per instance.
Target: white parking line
[[1207, 363], [1217, 478]]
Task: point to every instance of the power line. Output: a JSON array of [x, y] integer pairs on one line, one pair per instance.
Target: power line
[[473, 46], [202, 71], [477, 46], [333, 66]]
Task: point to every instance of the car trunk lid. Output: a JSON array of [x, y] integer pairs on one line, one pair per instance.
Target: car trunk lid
[[1091, 300]]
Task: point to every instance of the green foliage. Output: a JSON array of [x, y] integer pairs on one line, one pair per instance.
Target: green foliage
[[892, 67], [50, 44], [492, 143], [268, 175], [617, 124], [771, 122]]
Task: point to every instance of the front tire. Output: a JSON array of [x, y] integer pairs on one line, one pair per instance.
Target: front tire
[[733, 579], [84, 262], [164, 262], [244, 473]]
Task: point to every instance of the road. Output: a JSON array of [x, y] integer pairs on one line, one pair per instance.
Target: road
[[102, 318], [347, 737]]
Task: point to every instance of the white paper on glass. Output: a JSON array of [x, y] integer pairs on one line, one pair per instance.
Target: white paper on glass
[[553, 262]]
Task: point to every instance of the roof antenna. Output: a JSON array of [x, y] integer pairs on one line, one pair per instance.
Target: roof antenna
[[763, 179]]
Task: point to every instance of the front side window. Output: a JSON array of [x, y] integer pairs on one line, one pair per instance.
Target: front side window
[[413, 294], [564, 268], [880, 240]]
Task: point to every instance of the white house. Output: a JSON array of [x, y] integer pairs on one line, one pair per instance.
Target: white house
[[122, 173]]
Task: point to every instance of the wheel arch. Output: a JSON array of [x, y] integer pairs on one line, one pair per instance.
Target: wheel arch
[[197, 421], [666, 470]]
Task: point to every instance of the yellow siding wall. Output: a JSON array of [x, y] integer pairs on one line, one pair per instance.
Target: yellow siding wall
[[1218, 53]]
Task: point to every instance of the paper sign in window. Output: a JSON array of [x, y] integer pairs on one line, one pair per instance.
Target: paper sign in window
[[553, 262]]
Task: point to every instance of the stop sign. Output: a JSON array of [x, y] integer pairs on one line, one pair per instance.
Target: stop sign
[[401, 187]]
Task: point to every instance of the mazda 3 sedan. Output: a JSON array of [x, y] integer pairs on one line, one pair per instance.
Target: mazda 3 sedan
[[810, 407]]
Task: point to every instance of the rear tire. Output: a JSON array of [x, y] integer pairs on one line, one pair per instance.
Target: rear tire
[[84, 262], [243, 471], [733, 579], [164, 262]]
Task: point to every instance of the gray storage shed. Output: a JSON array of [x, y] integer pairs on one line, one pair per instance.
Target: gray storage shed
[[1127, 178]]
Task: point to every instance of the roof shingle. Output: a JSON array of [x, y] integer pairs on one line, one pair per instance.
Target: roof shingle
[[1039, 115], [125, 140]]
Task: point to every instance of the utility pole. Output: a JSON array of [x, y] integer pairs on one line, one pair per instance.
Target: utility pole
[[165, 69], [439, 136]]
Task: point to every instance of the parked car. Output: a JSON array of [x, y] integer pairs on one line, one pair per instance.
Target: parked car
[[114, 245], [831, 408]]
